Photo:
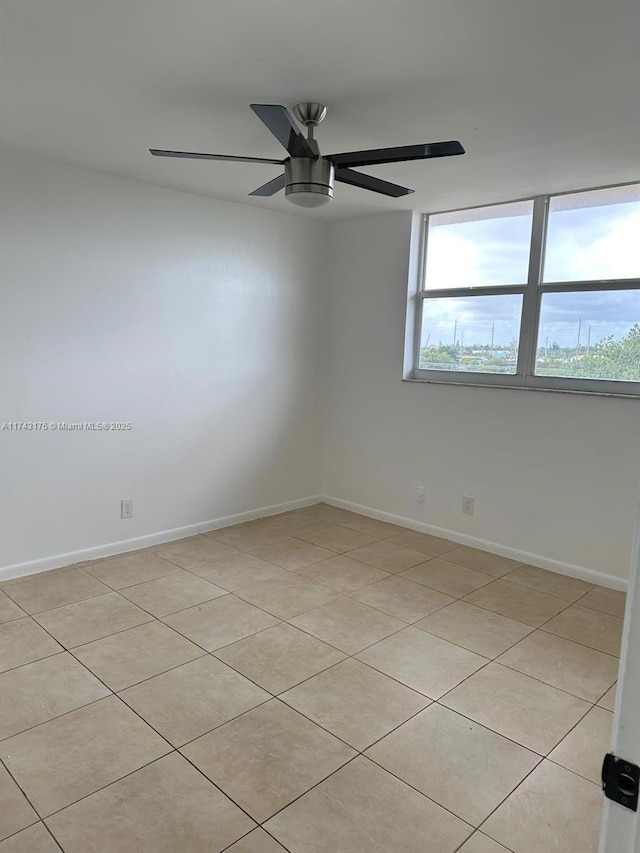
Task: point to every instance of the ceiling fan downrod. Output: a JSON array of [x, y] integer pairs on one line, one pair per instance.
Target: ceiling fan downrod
[[310, 114]]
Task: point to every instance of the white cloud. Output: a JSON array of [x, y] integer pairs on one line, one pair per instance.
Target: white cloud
[[614, 255], [453, 261], [576, 252]]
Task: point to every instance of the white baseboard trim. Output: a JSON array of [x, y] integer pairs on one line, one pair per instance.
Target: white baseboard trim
[[580, 572], [113, 548], [18, 570]]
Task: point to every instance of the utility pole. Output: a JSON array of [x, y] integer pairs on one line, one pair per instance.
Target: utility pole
[[589, 339], [493, 329], [455, 331], [578, 341]]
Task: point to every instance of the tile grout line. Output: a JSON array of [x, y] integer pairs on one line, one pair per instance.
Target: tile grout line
[[538, 765], [339, 595], [546, 622], [193, 569], [255, 829], [64, 713], [457, 598], [513, 669], [488, 660], [358, 754], [177, 749], [543, 757], [520, 673], [568, 769], [24, 794], [577, 642], [323, 559], [453, 642], [171, 750], [38, 822], [206, 651], [70, 650], [34, 660], [431, 700], [541, 628], [159, 619], [480, 834], [467, 677], [348, 656], [265, 519], [292, 686], [55, 840], [384, 769], [38, 575]]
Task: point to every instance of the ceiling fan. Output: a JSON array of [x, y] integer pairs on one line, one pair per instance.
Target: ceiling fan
[[309, 177]]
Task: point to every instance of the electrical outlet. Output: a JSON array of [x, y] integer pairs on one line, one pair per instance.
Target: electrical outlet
[[126, 508], [467, 505], [420, 494]]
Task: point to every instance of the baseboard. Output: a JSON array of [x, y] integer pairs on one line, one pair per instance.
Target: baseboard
[[580, 572], [113, 548]]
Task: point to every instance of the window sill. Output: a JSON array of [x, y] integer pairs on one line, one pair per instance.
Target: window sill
[[519, 386]]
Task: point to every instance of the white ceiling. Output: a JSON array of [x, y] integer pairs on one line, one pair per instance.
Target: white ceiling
[[544, 94]]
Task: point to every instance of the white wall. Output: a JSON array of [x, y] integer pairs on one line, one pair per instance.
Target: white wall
[[198, 321], [555, 476], [203, 324]]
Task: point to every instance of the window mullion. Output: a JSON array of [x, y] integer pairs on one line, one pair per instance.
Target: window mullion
[[592, 286], [488, 290], [531, 300]]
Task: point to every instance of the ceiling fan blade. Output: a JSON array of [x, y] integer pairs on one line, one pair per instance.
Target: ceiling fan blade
[[191, 155], [400, 154], [368, 182], [278, 120], [271, 188]]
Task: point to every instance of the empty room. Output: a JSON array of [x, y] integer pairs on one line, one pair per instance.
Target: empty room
[[319, 426]]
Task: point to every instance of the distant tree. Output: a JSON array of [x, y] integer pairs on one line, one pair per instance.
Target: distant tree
[[611, 359], [608, 359], [449, 354]]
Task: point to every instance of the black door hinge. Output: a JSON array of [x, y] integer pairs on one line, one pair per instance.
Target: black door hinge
[[620, 781]]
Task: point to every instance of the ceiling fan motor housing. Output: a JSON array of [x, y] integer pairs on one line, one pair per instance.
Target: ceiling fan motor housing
[[309, 181]]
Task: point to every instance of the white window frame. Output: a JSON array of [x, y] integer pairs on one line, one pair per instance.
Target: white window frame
[[532, 293]]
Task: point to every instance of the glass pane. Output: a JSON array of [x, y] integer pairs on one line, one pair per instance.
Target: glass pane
[[474, 248], [593, 335], [594, 235], [477, 334]]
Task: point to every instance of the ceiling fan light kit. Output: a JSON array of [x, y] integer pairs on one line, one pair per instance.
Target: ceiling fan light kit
[[309, 183], [309, 177]]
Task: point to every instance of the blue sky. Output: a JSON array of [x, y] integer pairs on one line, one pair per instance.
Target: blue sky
[[588, 242]]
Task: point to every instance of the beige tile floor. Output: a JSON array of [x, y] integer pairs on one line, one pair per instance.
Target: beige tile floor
[[314, 682]]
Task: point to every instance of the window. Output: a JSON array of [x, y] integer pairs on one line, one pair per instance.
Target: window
[[541, 293]]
